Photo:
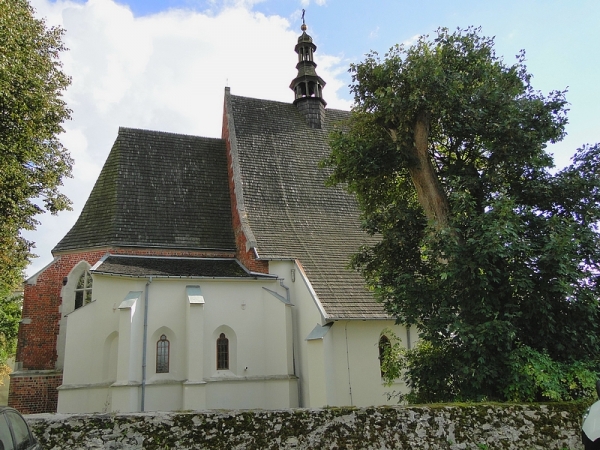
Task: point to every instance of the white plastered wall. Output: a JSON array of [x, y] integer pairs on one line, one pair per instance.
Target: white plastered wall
[[66, 307], [305, 316], [93, 339], [109, 332], [354, 351], [341, 368]]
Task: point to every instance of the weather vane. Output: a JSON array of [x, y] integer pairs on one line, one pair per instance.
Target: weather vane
[[303, 11]]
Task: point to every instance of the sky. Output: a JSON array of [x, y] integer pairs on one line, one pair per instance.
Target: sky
[[163, 64]]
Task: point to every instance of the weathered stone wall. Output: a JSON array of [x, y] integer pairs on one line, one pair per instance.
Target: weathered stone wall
[[480, 426]]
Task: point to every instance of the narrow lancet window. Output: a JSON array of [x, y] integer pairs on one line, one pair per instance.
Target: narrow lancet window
[[83, 291], [222, 352], [384, 346], [162, 355]]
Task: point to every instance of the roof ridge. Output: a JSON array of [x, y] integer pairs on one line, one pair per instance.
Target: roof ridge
[[166, 133], [281, 102], [193, 258]]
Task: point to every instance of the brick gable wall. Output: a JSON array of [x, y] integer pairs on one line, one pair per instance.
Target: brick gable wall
[[36, 347], [246, 257]]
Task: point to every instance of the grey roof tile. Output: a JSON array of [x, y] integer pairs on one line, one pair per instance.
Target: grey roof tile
[[144, 266], [291, 212], [168, 190], [160, 190]]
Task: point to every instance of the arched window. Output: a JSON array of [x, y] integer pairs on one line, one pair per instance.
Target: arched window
[[83, 290], [222, 352], [162, 355], [384, 346]]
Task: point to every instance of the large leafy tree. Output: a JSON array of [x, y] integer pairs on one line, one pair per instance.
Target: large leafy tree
[[491, 255], [32, 160], [10, 315]]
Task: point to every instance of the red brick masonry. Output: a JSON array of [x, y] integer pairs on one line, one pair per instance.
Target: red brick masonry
[[35, 392], [246, 257]]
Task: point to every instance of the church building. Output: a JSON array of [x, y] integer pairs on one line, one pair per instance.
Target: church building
[[210, 273]]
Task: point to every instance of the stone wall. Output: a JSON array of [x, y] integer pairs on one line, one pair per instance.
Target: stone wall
[[479, 426]]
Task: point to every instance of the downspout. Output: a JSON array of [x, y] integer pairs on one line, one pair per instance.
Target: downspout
[[145, 343], [287, 290], [287, 297], [348, 363], [294, 330]]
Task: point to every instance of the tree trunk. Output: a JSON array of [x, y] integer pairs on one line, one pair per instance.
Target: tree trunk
[[430, 194]]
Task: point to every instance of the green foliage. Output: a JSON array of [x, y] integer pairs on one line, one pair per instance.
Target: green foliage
[[511, 281], [535, 377], [392, 357], [10, 315], [32, 160]]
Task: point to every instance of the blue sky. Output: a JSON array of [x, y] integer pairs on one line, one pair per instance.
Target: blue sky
[[163, 64]]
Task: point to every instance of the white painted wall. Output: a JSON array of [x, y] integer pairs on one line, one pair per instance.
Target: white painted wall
[[346, 360], [67, 306], [355, 352], [104, 347], [272, 365], [305, 316]]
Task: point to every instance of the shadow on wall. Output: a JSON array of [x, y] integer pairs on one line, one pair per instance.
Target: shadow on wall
[[4, 384]]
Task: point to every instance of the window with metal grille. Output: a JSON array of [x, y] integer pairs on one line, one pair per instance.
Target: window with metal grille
[[83, 290], [222, 352], [162, 355]]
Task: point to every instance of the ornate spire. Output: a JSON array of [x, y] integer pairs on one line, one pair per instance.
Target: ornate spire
[[308, 86]]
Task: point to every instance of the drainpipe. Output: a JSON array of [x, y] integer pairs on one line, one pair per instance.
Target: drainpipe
[[145, 342], [294, 331], [287, 290], [348, 363], [287, 295]]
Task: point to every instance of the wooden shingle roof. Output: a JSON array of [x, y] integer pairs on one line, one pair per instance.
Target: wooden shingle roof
[[178, 267], [160, 190], [166, 190], [291, 213]]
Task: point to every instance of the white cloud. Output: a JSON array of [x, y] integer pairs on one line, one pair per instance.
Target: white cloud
[[374, 34], [306, 3], [412, 40], [165, 72]]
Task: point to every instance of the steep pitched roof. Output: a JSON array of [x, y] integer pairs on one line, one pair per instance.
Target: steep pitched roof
[[290, 212], [159, 190]]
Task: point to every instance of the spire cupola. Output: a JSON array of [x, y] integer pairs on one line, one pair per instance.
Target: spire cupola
[[308, 86]]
